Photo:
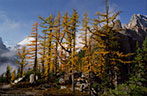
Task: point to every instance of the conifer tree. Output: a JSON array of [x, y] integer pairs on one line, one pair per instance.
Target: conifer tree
[[21, 59], [68, 41], [108, 54], [87, 60], [63, 61], [145, 51], [18, 73], [73, 29], [8, 74], [64, 41], [13, 75], [57, 32], [2, 78], [43, 51], [33, 50], [84, 37], [69, 34], [48, 25], [138, 68]]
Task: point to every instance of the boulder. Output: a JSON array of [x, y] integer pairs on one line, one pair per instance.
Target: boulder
[[18, 80], [82, 83], [32, 78], [83, 86], [61, 81], [63, 87]]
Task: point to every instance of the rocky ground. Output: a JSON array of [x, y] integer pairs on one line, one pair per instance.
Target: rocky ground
[[41, 90]]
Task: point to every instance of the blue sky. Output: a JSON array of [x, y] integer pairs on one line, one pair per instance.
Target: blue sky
[[17, 16]]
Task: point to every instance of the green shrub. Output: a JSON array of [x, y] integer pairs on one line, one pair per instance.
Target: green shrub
[[3, 78], [28, 73], [127, 90]]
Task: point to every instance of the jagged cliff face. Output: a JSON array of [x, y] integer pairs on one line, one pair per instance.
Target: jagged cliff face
[[135, 30], [3, 48], [137, 27], [137, 22]]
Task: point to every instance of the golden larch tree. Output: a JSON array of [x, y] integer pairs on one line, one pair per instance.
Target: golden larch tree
[[33, 48], [42, 51], [48, 25], [108, 54], [57, 29], [22, 59]]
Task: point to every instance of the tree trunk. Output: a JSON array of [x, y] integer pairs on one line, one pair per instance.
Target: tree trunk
[[21, 71], [89, 84], [43, 69], [115, 79], [35, 61], [56, 58], [73, 83]]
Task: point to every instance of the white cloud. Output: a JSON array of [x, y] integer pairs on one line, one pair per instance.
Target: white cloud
[[12, 30], [6, 24], [9, 54]]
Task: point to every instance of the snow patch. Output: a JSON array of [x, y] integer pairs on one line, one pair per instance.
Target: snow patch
[[26, 41]]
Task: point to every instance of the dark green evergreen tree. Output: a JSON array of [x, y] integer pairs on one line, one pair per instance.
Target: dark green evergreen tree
[[144, 53], [138, 68], [8, 74]]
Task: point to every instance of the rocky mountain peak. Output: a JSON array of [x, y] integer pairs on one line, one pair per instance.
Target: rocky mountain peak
[[1, 42], [2, 46], [137, 22], [134, 31], [117, 24]]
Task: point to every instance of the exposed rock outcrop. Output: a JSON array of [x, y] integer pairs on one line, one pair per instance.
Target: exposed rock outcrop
[[3, 48], [135, 30], [137, 22]]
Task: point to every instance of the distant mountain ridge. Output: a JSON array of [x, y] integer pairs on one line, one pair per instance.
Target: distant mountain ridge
[[2, 47], [137, 27], [135, 30], [25, 41], [137, 21]]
